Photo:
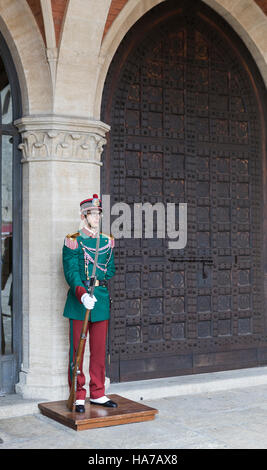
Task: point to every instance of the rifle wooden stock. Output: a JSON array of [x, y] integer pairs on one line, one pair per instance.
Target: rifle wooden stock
[[72, 396]]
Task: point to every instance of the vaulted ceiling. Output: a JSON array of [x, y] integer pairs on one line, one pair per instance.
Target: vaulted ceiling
[[59, 7]]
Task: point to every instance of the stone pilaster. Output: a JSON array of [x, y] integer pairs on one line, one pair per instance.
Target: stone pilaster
[[61, 159]]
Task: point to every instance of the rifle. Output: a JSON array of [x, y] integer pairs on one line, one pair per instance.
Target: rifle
[[76, 368]]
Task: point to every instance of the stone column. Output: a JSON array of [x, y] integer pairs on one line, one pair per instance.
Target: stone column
[[61, 166]]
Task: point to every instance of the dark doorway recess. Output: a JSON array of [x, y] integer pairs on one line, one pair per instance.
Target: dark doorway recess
[[11, 224]]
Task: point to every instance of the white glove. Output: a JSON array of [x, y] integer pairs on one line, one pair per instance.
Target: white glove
[[88, 301]]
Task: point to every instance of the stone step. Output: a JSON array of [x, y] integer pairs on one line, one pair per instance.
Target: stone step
[[14, 405]]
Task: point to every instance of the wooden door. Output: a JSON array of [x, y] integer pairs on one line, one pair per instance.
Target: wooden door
[[182, 97]]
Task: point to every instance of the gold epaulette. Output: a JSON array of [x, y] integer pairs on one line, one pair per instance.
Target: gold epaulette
[[73, 236]]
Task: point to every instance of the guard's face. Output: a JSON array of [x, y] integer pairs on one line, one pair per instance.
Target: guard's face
[[93, 218]]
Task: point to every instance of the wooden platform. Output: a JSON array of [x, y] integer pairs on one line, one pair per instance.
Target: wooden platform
[[96, 416]]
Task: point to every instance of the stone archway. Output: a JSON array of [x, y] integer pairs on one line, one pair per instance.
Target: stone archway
[[26, 46], [247, 20]]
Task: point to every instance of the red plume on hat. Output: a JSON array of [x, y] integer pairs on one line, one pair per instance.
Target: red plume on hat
[[91, 203]]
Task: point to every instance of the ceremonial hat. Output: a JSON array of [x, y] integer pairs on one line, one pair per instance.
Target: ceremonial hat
[[92, 203]]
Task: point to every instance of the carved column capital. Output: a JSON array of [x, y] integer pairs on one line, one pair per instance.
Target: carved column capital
[[61, 138]]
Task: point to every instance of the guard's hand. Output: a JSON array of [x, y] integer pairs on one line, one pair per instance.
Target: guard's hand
[[88, 301]]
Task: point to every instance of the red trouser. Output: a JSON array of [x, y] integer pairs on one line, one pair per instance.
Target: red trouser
[[97, 340]]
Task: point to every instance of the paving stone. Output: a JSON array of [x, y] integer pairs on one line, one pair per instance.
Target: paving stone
[[229, 419]]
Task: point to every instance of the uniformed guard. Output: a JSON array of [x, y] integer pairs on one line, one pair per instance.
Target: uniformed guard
[[78, 258]]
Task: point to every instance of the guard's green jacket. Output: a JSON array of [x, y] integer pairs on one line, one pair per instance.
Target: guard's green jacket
[[79, 253]]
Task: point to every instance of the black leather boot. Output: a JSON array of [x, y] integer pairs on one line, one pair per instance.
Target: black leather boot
[[80, 409]]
